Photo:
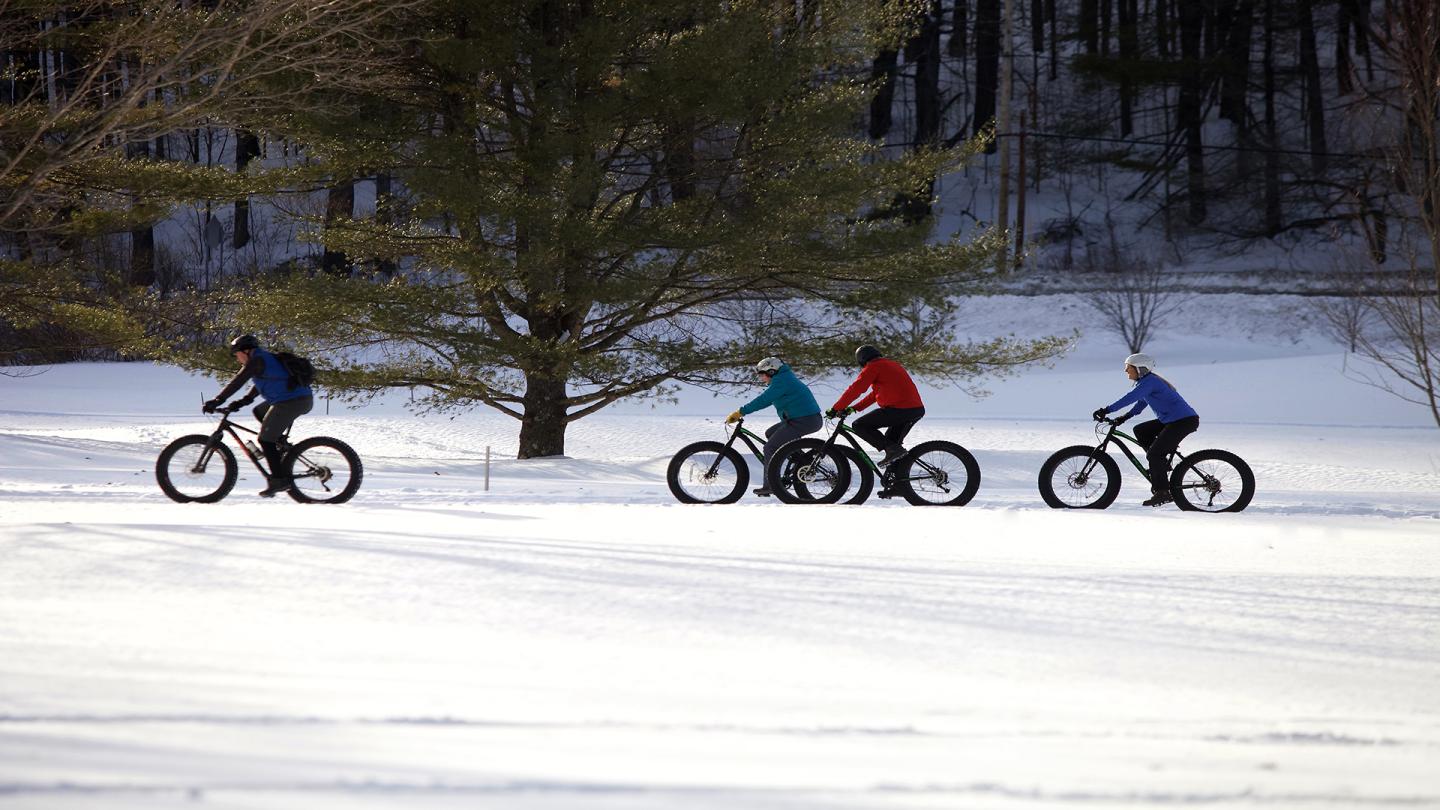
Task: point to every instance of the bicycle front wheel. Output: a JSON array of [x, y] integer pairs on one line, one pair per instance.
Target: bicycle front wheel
[[938, 474], [191, 470], [1212, 481], [707, 472], [1079, 477], [324, 470], [807, 471]]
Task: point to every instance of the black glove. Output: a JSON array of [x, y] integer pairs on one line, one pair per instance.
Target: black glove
[[210, 406], [834, 412], [1099, 414], [1120, 420]]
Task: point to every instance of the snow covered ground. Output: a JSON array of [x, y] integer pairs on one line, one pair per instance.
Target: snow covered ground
[[575, 638]]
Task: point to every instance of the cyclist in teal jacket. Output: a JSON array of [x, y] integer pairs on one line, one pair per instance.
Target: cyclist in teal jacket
[[1161, 436], [798, 411]]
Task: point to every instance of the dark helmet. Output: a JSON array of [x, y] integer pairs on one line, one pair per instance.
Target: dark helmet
[[244, 343], [865, 354]]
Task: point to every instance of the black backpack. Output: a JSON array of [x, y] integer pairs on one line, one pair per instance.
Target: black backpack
[[301, 370]]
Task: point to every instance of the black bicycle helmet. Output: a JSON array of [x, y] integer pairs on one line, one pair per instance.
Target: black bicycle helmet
[[865, 354], [244, 343]]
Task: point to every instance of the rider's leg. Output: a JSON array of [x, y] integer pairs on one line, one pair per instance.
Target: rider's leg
[[278, 417], [787, 431], [897, 420], [1166, 440], [1145, 432]]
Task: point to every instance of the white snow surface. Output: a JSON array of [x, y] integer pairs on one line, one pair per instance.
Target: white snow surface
[[574, 638]]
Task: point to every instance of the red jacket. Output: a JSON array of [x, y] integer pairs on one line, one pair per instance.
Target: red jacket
[[892, 384]]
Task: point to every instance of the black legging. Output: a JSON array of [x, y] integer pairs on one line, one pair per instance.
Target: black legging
[[1160, 439], [898, 420]]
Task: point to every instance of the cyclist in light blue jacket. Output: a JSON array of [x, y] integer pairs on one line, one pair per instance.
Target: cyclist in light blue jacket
[[798, 411], [1174, 420]]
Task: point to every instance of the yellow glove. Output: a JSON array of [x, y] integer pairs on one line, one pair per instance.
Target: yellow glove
[[734, 417]]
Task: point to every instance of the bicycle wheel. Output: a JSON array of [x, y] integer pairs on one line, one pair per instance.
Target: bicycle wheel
[[325, 470], [1069, 479], [707, 472], [860, 474], [806, 471], [1212, 481], [938, 474], [189, 470]]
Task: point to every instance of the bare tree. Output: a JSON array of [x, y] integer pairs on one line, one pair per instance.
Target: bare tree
[[1136, 296], [1400, 346]]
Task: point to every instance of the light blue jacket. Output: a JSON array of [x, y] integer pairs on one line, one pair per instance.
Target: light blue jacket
[[792, 399], [1159, 394]]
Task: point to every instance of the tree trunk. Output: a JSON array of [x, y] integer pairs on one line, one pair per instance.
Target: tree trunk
[[1188, 108], [1236, 80], [1272, 158], [1314, 99], [987, 63], [1105, 26], [1037, 27], [882, 68], [385, 215], [1129, 57], [1090, 25], [542, 427], [923, 53], [339, 204], [1345, 13], [959, 45], [247, 148], [142, 237], [1162, 29]]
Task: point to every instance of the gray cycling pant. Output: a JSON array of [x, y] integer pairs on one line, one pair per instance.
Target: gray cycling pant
[[277, 417], [788, 431]]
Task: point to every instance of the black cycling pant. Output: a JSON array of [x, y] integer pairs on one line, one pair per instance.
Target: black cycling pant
[[276, 418], [898, 422], [1160, 440]]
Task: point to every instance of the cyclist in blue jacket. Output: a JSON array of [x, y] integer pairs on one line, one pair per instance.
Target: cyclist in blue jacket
[[799, 412], [1174, 420], [285, 401]]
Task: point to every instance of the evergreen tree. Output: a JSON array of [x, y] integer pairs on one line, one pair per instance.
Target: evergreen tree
[[594, 198]]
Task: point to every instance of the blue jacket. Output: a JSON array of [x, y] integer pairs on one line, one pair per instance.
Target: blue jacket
[[1159, 394], [270, 378], [792, 399]]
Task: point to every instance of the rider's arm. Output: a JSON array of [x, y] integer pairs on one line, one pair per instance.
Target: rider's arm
[[862, 382], [248, 398], [1137, 396], [867, 401], [252, 369], [767, 397]]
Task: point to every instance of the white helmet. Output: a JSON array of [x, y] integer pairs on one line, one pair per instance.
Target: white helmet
[[769, 365], [1141, 360]]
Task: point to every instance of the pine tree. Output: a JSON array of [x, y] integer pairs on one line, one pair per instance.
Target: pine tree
[[594, 198]]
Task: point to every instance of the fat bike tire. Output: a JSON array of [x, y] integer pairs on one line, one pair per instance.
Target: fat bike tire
[[324, 470], [1212, 481], [805, 471], [690, 478], [1065, 485], [187, 470], [938, 473], [860, 475]]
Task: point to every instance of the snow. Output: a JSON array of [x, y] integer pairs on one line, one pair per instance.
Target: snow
[[574, 638]]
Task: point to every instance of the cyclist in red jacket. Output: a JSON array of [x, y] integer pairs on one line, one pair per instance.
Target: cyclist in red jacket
[[900, 406]]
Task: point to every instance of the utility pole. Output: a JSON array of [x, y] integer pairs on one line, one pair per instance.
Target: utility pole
[[1002, 130]]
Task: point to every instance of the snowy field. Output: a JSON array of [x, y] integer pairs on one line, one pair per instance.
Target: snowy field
[[573, 638]]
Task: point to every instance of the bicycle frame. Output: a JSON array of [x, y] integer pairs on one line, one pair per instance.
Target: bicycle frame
[[1120, 437], [226, 426]]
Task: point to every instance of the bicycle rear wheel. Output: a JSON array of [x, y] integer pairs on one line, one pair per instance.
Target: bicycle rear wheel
[[189, 470], [324, 470], [860, 475], [1212, 481], [807, 471], [938, 474], [707, 472], [1069, 479]]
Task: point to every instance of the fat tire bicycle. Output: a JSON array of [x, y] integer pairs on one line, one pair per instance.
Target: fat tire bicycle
[[933, 473], [202, 469], [1085, 477], [716, 472]]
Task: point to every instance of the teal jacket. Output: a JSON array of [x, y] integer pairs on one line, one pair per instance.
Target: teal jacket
[[792, 399]]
